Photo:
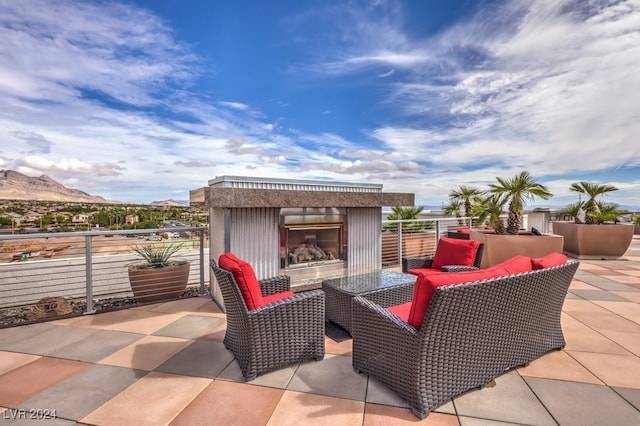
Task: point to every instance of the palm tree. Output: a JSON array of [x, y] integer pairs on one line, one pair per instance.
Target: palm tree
[[489, 208], [592, 190], [454, 208], [406, 213], [607, 212], [517, 191], [467, 195], [573, 210]]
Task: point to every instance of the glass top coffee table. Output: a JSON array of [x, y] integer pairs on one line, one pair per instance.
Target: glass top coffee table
[[384, 287]]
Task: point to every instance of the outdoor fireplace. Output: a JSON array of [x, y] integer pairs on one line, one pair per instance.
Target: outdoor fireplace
[[309, 230], [312, 240]]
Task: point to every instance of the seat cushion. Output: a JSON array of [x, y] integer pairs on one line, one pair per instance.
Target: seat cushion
[[427, 271], [277, 296], [548, 261], [454, 251], [401, 311], [245, 277]]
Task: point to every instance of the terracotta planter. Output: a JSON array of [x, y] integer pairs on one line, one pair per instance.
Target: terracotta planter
[[156, 284], [605, 241], [500, 247]]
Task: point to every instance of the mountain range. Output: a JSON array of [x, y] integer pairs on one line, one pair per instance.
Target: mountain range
[[17, 186]]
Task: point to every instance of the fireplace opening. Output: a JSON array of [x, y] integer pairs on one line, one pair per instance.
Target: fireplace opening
[[306, 245]]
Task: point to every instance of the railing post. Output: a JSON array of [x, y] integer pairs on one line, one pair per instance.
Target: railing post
[[89, 271], [437, 231], [203, 291], [400, 242]]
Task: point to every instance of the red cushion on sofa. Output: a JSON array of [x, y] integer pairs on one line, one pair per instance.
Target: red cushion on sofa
[[426, 271], [245, 277], [552, 259], [464, 231], [277, 296], [401, 311], [426, 284], [513, 265], [454, 251]]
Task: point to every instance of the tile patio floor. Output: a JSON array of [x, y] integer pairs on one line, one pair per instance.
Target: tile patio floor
[[165, 364]]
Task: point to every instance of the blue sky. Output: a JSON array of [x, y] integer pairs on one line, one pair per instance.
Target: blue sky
[[145, 100]]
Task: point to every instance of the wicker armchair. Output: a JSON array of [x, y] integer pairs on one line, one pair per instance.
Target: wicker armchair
[[425, 262], [274, 335], [470, 334]]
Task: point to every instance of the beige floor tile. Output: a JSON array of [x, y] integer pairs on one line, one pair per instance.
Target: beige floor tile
[[155, 399], [343, 348], [628, 310], [559, 365], [298, 408], [147, 353], [11, 360], [629, 341], [579, 285], [580, 337], [605, 321], [577, 305], [591, 267], [27, 380], [613, 370], [630, 295], [186, 305], [624, 279], [225, 403], [376, 414], [131, 320]]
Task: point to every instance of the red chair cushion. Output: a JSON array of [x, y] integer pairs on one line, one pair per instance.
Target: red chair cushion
[[245, 276], [552, 259], [454, 251], [464, 231], [277, 296], [426, 271], [514, 265], [401, 311]]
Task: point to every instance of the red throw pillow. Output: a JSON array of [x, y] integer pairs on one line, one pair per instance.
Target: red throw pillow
[[245, 277], [454, 251], [552, 259], [426, 285], [513, 265], [464, 231]]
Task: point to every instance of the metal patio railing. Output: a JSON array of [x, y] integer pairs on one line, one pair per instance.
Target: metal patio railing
[[87, 265]]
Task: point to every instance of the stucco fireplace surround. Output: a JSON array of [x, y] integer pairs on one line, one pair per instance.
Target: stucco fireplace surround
[[309, 230]]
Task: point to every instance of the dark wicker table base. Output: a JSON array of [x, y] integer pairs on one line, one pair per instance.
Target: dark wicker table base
[[385, 288]]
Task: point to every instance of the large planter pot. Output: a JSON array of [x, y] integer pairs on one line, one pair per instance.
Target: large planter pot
[[157, 284], [605, 241], [500, 247]]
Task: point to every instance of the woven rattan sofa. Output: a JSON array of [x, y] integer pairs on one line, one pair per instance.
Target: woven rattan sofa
[[279, 333], [471, 333]]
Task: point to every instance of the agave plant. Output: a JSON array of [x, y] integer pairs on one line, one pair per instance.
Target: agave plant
[[157, 255], [517, 191]]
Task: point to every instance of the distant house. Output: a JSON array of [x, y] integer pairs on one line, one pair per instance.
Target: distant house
[[131, 219], [80, 218], [32, 217]]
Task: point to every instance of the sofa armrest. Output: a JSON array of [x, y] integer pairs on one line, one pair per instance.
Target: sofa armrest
[[274, 285], [416, 263]]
